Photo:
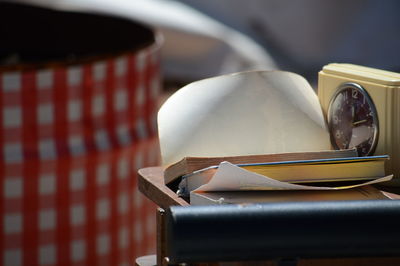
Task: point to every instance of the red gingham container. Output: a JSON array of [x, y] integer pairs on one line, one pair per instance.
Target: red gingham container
[[72, 135]]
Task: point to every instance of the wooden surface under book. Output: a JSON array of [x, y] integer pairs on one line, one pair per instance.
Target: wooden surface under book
[[150, 260], [249, 197], [151, 184]]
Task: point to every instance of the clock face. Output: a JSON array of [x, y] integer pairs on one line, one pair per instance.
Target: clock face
[[353, 120]]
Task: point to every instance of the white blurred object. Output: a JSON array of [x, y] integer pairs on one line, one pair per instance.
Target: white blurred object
[[257, 112], [196, 46]]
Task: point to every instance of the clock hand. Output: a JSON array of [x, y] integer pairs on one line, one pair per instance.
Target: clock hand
[[359, 122]]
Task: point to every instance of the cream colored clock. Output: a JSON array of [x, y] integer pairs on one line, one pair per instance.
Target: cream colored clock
[[362, 107]]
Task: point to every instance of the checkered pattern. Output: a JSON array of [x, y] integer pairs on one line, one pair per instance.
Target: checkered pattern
[[71, 141]]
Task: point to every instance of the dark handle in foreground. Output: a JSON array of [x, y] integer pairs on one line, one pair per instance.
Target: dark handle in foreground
[[334, 229]]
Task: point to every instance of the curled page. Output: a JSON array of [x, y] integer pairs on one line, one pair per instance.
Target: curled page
[[230, 177], [257, 112]]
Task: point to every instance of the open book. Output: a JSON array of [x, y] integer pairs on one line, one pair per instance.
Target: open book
[[246, 116], [248, 113]]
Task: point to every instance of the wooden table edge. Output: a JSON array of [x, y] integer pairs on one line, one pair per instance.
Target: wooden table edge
[[151, 184]]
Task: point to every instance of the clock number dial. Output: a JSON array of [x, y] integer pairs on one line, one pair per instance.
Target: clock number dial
[[353, 120]]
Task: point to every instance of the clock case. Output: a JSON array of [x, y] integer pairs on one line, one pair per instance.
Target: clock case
[[384, 89]]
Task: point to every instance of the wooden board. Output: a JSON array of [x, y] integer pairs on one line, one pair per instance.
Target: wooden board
[[151, 183]]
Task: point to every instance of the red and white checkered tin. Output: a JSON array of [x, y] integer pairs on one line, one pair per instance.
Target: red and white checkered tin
[[72, 137]]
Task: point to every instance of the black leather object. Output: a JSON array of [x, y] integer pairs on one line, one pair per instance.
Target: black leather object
[[283, 231]]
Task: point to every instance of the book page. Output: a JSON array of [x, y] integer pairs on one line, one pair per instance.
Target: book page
[[230, 177], [256, 112]]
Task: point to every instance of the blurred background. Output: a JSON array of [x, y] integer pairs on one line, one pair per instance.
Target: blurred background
[[302, 36], [207, 38], [113, 222]]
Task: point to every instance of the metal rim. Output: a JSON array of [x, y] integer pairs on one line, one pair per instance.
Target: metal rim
[[361, 89]]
